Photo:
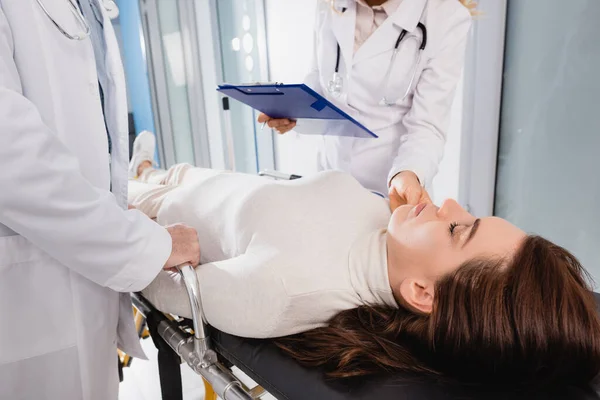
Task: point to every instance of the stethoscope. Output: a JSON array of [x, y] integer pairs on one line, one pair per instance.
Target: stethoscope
[[111, 9], [335, 85]]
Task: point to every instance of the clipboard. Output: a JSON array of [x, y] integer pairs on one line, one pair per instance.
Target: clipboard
[[301, 103]]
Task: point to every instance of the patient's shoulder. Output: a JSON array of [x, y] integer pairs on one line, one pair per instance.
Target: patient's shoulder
[[347, 188], [334, 178]]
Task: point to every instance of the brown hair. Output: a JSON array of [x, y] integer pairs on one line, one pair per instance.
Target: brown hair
[[527, 321]]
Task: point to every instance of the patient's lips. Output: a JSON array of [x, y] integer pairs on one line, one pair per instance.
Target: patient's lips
[[418, 209]]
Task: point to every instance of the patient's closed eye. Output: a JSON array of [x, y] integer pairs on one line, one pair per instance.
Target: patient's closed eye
[[452, 228], [473, 231]]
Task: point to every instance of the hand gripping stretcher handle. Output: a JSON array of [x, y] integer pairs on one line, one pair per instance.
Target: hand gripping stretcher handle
[[201, 358]]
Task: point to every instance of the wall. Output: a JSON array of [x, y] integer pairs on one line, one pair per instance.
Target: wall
[[290, 44], [547, 179], [134, 61], [206, 18], [446, 183]]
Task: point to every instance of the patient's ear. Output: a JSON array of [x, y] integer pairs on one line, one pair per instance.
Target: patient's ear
[[417, 294]]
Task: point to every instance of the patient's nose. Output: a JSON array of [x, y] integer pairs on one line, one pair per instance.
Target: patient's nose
[[451, 209]]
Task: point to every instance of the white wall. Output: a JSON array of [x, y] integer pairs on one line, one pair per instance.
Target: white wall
[[290, 26], [207, 44], [447, 182]]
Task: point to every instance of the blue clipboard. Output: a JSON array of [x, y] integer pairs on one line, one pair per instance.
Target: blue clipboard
[[298, 102]]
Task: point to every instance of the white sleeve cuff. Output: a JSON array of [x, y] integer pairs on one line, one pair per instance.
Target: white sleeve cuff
[[141, 271], [420, 172]]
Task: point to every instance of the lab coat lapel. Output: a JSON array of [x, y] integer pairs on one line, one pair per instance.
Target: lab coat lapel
[[343, 26], [116, 111], [407, 17], [116, 120]]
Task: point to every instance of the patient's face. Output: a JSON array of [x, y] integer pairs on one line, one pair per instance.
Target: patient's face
[[429, 241]]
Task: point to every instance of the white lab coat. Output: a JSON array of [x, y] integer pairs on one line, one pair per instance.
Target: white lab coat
[[412, 133], [67, 245]]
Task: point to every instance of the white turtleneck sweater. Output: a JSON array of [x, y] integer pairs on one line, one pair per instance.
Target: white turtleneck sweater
[[278, 257]]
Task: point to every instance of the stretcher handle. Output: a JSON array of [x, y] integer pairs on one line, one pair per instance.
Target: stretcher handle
[[190, 279]]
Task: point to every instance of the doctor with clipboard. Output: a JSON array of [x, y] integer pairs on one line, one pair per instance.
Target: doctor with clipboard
[[394, 66]]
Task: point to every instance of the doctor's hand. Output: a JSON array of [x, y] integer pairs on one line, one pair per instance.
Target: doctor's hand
[[405, 188], [281, 125], [185, 249]]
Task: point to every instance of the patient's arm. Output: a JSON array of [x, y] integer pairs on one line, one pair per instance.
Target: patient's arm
[[242, 296], [152, 188], [147, 197], [148, 192]]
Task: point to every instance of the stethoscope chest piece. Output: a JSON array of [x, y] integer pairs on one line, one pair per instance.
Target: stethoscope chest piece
[[335, 85], [112, 10]]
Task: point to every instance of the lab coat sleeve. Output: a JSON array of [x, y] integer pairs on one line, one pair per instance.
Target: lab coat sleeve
[[45, 198], [422, 146]]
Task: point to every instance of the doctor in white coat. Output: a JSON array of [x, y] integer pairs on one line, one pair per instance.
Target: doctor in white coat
[[406, 99], [69, 249]]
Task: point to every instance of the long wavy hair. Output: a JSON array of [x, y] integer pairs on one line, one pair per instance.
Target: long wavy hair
[[528, 321]]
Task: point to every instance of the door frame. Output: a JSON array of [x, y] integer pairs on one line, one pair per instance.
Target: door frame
[[264, 142], [158, 82], [484, 69], [200, 36]]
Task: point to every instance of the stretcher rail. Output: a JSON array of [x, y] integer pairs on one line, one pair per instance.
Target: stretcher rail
[[195, 349]]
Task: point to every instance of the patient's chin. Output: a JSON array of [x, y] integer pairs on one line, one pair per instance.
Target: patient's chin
[[398, 217]]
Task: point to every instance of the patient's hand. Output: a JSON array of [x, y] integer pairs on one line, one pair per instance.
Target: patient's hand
[[405, 188], [471, 6], [185, 249]]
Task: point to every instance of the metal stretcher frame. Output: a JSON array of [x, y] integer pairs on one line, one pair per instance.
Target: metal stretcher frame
[[195, 349]]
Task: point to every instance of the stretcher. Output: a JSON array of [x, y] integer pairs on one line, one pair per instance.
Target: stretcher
[[212, 355]]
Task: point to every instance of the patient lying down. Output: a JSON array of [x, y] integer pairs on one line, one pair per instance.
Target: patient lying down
[[425, 289]]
